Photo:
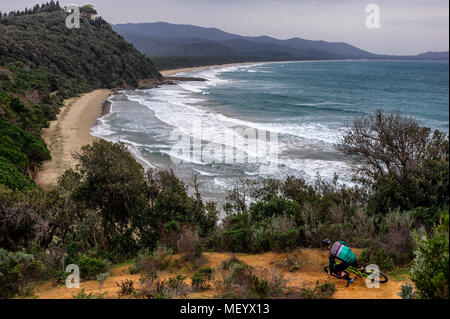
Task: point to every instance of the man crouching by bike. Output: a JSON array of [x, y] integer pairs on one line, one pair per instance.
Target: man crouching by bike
[[347, 257]]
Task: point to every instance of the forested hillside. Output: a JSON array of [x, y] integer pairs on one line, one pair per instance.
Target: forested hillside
[[41, 63], [179, 45]]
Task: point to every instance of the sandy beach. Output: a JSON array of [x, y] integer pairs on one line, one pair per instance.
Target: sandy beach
[[69, 133], [175, 71], [72, 129]]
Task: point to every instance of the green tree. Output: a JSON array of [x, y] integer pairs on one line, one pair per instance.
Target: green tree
[[112, 181], [404, 165]]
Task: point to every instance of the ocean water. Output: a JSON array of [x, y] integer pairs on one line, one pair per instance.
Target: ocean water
[[273, 119]]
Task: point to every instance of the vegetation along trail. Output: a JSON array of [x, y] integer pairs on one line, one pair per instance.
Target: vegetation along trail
[[310, 270]]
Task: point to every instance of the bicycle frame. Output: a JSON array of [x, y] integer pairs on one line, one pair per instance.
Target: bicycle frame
[[357, 271], [360, 272]]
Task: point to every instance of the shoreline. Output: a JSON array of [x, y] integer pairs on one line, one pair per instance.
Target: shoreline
[[72, 128], [170, 72], [69, 132]]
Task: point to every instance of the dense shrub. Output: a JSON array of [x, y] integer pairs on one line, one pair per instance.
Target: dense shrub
[[126, 287], [430, 267], [236, 233], [172, 203], [277, 233], [112, 181], [12, 178], [242, 281], [33, 218], [201, 278], [90, 267], [407, 292], [230, 262], [151, 262], [17, 270], [276, 206], [378, 256], [320, 291], [260, 287], [405, 165]]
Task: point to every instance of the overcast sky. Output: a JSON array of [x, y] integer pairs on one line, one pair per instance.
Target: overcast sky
[[407, 26]]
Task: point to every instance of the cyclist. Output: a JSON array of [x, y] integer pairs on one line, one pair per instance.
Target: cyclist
[[340, 251]]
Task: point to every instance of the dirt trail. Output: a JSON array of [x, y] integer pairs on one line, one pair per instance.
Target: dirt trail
[[312, 262]]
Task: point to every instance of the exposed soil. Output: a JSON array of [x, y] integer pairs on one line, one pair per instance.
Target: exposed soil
[[310, 271]]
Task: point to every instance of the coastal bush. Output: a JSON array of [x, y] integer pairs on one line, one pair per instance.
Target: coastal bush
[[243, 281], [407, 292], [32, 147], [172, 203], [201, 278], [175, 282], [112, 181], [17, 270], [154, 289], [236, 233], [230, 262], [404, 165], [151, 262], [239, 274], [19, 151], [430, 267], [73, 250], [33, 218], [12, 153], [320, 291], [276, 206], [126, 287], [396, 235], [83, 295], [90, 268], [136, 210], [377, 256], [101, 279], [260, 287], [276, 233], [188, 244], [12, 178]]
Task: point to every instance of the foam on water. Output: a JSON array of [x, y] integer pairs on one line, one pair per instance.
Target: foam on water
[[305, 104]]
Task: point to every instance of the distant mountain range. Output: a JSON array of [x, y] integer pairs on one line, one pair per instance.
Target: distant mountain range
[[161, 39]]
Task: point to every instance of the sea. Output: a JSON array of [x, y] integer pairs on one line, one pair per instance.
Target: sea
[[275, 120]]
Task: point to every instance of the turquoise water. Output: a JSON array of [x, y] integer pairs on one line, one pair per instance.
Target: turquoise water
[[305, 104]]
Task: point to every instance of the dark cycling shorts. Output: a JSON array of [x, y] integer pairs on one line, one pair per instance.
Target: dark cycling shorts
[[343, 265]]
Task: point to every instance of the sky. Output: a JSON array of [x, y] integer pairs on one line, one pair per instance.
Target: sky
[[406, 26]]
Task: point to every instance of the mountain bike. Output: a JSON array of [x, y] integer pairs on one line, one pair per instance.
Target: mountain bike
[[362, 273]]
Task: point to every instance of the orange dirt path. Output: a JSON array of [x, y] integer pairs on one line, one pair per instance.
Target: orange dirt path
[[312, 262]]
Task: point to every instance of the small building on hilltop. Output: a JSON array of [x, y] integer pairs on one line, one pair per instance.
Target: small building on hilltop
[[88, 11]]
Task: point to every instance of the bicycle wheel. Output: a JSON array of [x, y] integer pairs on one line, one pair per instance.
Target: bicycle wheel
[[383, 278], [344, 274]]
